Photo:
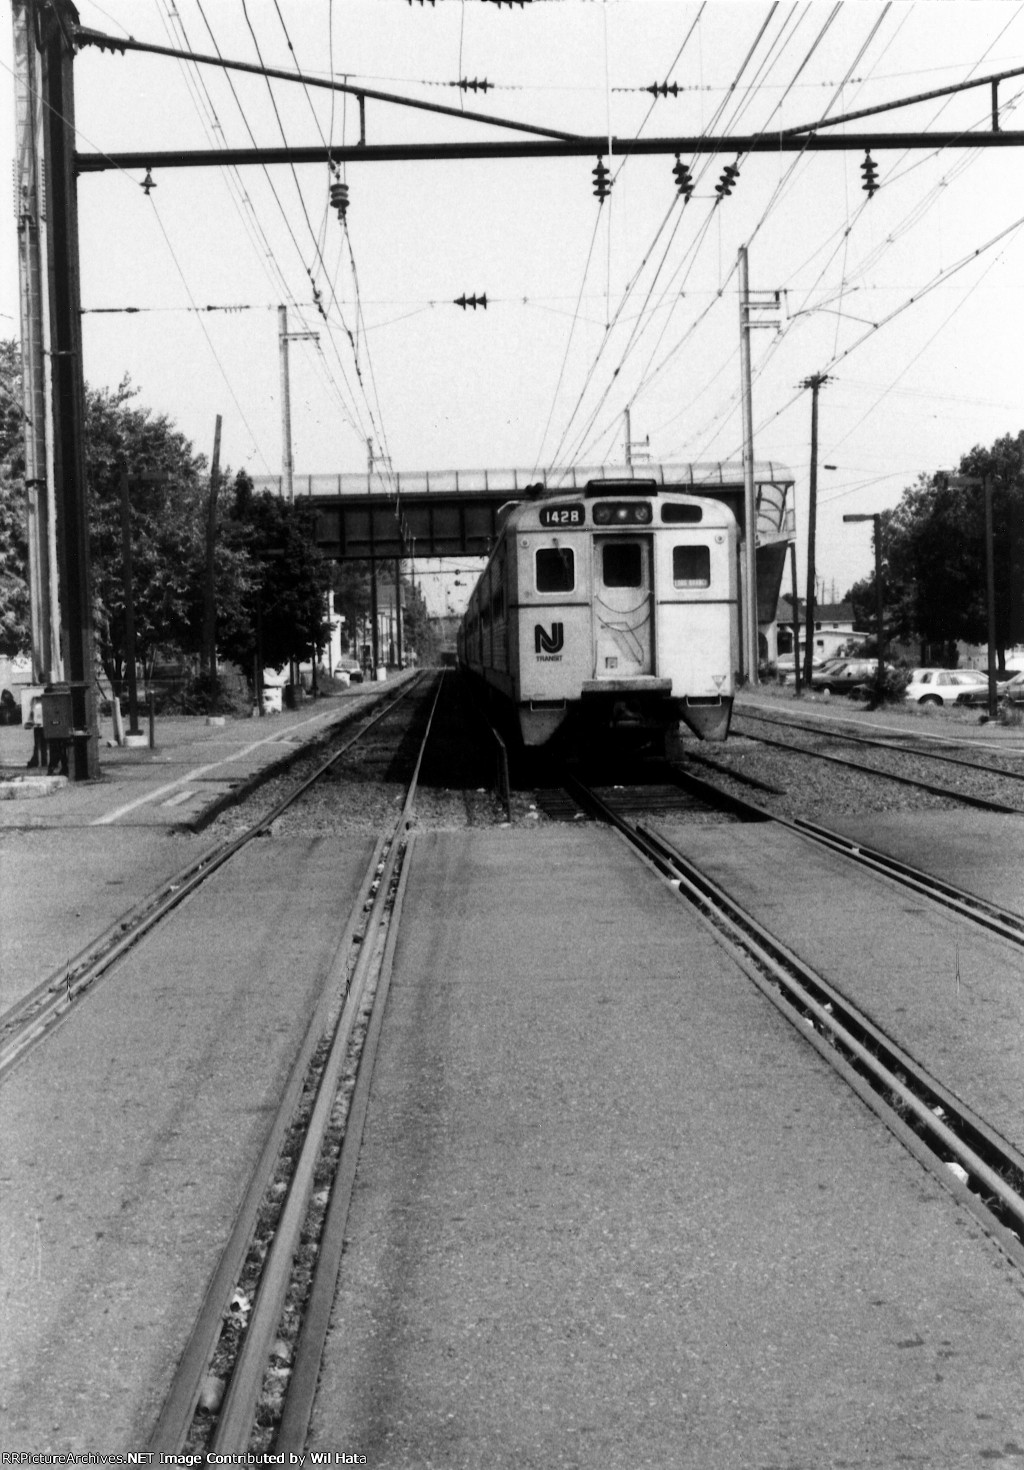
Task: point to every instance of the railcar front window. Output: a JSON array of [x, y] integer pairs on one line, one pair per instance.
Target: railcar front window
[[691, 566], [556, 569], [621, 564]]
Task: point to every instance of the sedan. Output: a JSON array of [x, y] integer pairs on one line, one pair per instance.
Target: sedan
[[945, 686], [1010, 689], [844, 675]]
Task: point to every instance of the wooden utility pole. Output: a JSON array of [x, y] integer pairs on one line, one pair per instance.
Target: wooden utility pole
[[814, 382], [749, 638], [129, 605], [209, 655], [44, 610], [287, 469]]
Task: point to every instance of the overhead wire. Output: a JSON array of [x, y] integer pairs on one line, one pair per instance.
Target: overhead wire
[[378, 426], [349, 409], [782, 40]]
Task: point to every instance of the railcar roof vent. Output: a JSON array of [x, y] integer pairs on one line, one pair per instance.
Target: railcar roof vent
[[620, 487]]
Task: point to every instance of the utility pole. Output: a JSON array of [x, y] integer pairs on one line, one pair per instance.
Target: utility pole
[[283, 338], [44, 609], [769, 301], [374, 630], [287, 468], [129, 605], [209, 655], [814, 382], [876, 521]]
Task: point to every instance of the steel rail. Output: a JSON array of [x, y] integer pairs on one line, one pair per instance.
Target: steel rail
[[972, 1142], [36, 1015], [981, 911], [984, 803], [942, 1122], [893, 745], [237, 1413]]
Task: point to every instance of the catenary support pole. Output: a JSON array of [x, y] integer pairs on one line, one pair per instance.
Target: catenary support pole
[[57, 29]]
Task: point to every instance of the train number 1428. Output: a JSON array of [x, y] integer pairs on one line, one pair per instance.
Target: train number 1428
[[561, 515]]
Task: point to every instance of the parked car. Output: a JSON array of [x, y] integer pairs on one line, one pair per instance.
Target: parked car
[[945, 686], [844, 675], [787, 674], [976, 695]]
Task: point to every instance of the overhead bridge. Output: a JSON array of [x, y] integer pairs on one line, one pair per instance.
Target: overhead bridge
[[429, 513]]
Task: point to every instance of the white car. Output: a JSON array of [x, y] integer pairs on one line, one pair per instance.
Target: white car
[[942, 686]]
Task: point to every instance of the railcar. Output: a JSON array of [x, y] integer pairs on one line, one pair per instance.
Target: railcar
[[608, 611]]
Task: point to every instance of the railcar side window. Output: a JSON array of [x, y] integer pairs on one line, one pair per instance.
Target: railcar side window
[[621, 564], [691, 566], [556, 569]]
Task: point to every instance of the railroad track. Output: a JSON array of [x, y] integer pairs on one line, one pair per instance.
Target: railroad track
[[915, 750], [983, 803], [981, 911], [956, 1145], [36, 1015], [249, 1371]]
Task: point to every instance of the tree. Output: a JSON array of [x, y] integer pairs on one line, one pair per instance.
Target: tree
[[282, 611], [934, 553], [15, 634], [168, 492]]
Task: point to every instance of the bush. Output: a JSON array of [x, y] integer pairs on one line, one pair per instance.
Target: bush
[[889, 689]]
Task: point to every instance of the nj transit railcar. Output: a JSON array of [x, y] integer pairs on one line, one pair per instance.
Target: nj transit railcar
[[614, 610]]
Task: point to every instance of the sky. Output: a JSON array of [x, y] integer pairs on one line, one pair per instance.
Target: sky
[[910, 300]]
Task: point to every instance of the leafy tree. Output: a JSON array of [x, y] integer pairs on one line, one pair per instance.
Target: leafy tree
[[168, 494], [934, 555], [14, 600], [168, 528], [417, 628], [282, 611]]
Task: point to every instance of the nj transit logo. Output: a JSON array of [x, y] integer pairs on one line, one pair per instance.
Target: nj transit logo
[[548, 643]]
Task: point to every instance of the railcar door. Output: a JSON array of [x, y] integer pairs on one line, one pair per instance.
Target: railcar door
[[623, 607]]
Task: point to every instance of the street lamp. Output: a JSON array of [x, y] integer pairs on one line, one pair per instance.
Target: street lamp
[[972, 482], [876, 520]]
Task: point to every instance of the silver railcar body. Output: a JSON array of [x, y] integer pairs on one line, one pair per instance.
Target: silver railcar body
[[614, 609]]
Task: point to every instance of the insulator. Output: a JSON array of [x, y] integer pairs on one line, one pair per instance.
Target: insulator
[[729, 176], [663, 89], [683, 177], [602, 186], [870, 171], [148, 182], [339, 198]]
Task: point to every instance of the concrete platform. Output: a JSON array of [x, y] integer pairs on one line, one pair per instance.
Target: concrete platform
[[612, 1210], [72, 864], [130, 1136]]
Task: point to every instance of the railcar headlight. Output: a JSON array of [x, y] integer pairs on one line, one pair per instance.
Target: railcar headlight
[[643, 514], [602, 515]]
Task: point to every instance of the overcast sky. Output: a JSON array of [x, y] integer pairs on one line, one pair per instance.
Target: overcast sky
[[590, 307]]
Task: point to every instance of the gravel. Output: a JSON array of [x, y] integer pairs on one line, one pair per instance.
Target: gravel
[[365, 790]]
